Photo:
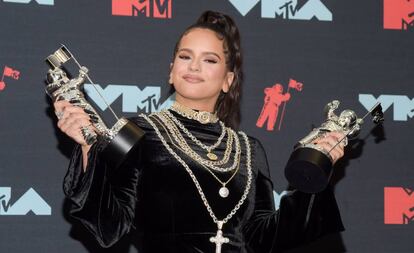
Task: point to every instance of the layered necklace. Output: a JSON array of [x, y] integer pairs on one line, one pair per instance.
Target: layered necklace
[[170, 127], [172, 122], [209, 149], [183, 146]]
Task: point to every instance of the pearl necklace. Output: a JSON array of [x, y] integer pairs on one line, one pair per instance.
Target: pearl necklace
[[218, 239]]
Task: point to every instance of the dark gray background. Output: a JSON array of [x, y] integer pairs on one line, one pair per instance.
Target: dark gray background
[[341, 59]]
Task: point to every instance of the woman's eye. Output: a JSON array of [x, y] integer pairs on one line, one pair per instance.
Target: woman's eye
[[184, 57], [211, 60]]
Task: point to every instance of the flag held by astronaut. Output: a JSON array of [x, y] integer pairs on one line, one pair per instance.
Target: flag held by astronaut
[[15, 74], [295, 85]]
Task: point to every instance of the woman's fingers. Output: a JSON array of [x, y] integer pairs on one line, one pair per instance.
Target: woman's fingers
[[60, 107], [75, 120], [330, 143], [72, 119]]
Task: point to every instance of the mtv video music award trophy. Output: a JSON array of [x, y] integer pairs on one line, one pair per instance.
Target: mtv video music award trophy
[[309, 167], [117, 141]]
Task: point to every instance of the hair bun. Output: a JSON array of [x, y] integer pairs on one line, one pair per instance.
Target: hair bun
[[212, 17], [219, 20]]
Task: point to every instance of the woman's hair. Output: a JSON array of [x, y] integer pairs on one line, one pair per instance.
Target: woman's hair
[[228, 104]]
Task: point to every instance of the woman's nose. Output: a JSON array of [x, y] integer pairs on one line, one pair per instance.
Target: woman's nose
[[194, 65]]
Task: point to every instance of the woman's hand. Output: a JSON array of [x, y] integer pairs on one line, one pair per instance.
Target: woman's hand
[[71, 119], [328, 141]]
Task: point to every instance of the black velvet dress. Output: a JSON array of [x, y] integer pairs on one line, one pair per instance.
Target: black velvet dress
[[155, 195]]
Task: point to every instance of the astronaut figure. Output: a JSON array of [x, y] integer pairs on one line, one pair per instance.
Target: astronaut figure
[[347, 122], [274, 97]]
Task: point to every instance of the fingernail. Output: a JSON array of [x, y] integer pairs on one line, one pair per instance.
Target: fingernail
[[88, 111], [94, 117], [92, 120]]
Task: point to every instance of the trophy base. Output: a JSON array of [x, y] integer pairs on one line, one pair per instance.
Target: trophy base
[[123, 143], [308, 170]]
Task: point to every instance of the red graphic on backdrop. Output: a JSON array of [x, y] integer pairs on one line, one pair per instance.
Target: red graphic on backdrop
[[398, 205], [8, 72], [274, 98], [147, 8], [399, 14]]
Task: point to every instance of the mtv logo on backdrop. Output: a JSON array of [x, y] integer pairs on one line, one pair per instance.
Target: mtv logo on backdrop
[[30, 201], [399, 14], [398, 205], [133, 98], [43, 2], [403, 106], [147, 8], [286, 9]]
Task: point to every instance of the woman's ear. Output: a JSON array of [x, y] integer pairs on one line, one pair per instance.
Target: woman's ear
[[228, 82]]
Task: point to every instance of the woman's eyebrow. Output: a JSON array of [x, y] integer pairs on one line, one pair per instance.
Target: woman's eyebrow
[[204, 53]]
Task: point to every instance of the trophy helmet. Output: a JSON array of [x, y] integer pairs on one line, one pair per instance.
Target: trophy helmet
[[347, 119]]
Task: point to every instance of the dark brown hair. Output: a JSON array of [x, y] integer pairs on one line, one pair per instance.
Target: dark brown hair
[[228, 104]]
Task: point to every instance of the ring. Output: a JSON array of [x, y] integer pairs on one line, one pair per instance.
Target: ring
[[88, 135], [345, 141], [59, 115]]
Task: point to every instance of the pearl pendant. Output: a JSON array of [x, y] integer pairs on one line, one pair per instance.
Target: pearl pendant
[[211, 156], [224, 192]]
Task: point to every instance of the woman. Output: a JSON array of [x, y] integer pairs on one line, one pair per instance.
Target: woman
[[195, 185]]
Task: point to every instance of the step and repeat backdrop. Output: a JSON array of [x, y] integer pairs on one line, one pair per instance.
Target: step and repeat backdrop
[[358, 52]]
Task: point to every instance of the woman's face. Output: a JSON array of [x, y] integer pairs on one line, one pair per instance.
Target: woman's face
[[199, 72]]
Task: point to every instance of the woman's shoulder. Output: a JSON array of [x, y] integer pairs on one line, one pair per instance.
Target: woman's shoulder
[[258, 155], [257, 150], [141, 121], [253, 141]]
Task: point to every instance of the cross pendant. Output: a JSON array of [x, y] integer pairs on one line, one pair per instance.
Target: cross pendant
[[219, 239]]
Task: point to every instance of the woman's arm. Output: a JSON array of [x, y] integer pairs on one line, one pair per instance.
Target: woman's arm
[[103, 199], [301, 217]]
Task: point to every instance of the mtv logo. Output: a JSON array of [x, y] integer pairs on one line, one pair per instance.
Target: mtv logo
[[286, 9], [30, 201], [147, 8], [403, 106], [398, 205], [399, 14], [134, 99]]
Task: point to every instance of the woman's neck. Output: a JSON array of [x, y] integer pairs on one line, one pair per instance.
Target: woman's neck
[[201, 105]]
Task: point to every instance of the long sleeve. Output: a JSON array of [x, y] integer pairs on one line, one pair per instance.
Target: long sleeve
[[301, 217], [102, 199]]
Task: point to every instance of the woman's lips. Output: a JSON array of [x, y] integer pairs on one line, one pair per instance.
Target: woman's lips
[[193, 79]]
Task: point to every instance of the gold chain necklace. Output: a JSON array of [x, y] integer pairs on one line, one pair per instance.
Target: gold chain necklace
[[201, 116], [209, 149], [223, 191], [219, 239], [182, 142]]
